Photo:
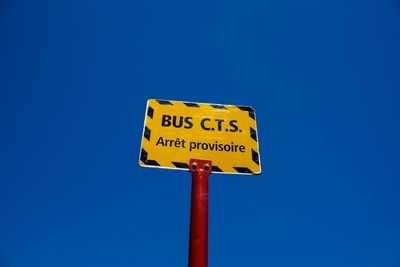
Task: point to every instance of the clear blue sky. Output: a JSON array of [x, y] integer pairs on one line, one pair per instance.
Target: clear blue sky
[[324, 77]]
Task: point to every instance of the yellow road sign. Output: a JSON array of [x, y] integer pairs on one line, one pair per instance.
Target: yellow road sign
[[175, 132]]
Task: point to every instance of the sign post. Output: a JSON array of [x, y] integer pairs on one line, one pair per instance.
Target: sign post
[[201, 138], [198, 237]]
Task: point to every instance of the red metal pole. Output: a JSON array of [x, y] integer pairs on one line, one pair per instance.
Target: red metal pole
[[198, 240]]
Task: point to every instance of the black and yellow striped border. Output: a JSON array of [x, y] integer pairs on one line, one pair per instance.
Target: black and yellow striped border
[[183, 165]]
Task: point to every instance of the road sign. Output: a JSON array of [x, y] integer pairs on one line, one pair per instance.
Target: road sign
[[175, 132]]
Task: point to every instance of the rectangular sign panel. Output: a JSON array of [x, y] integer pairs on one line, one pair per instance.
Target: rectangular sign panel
[[175, 132]]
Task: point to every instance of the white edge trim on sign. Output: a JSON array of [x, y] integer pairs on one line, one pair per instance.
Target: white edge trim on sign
[[179, 169]]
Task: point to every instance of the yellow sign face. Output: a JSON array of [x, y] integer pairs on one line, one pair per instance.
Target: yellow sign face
[[175, 132]]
